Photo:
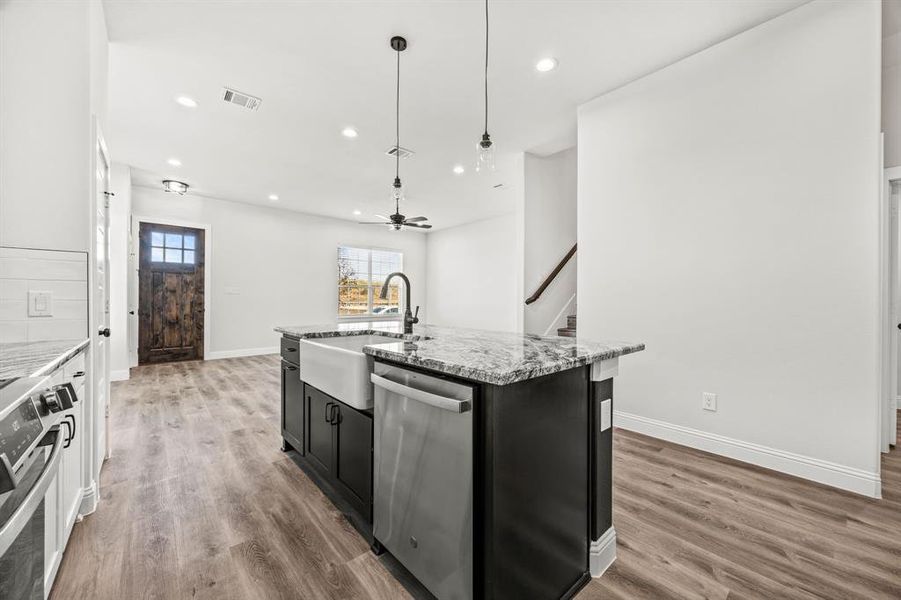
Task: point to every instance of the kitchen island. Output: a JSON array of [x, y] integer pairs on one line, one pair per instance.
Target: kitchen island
[[483, 460]]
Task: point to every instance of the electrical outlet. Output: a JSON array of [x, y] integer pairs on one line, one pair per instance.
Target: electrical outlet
[[40, 304], [708, 402]]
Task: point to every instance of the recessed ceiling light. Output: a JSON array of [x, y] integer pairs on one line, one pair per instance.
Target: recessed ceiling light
[[273, 197], [546, 64], [458, 169], [174, 162], [187, 101], [357, 213], [349, 132]]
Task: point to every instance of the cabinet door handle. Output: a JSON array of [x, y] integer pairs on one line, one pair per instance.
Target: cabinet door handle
[[291, 349], [292, 368], [328, 414], [336, 417]]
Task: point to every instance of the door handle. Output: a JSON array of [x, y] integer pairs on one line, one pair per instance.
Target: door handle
[[450, 404], [328, 416], [104, 332], [336, 417]]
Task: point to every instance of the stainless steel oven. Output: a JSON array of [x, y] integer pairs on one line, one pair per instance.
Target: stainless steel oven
[[31, 445]]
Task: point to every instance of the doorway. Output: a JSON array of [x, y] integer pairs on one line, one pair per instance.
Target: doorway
[[170, 293]]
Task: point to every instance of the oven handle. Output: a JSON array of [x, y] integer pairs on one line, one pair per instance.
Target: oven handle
[[451, 404], [14, 525]]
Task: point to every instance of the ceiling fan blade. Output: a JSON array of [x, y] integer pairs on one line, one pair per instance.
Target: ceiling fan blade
[[372, 223], [418, 226], [382, 217], [416, 219]]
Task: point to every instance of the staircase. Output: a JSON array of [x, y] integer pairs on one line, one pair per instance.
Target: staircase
[[570, 329]]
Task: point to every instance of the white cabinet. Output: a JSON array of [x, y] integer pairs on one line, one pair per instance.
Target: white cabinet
[[63, 498]]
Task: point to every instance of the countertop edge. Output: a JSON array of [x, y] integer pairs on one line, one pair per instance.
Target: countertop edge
[[63, 358], [495, 378]]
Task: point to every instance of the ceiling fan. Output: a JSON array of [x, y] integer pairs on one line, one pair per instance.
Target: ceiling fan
[[397, 221]]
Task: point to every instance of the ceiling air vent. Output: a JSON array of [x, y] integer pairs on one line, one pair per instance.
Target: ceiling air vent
[[403, 152], [241, 99]]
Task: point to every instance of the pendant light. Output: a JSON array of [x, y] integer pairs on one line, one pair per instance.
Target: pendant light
[[398, 44], [485, 147]]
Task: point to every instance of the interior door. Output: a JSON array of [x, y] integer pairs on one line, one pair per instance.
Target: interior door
[[891, 421], [170, 293], [101, 347]]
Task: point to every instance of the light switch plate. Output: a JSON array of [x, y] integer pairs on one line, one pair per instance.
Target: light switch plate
[[606, 414], [40, 304]]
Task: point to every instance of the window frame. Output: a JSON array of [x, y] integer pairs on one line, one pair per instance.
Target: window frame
[[369, 316]]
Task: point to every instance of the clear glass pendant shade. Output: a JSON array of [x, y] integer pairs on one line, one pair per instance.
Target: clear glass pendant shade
[[397, 191], [485, 155]]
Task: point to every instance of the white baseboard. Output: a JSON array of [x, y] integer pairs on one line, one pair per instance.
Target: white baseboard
[[119, 375], [602, 553], [241, 352], [814, 469], [88, 500]]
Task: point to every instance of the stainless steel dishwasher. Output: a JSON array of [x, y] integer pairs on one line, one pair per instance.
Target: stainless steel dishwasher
[[422, 501]]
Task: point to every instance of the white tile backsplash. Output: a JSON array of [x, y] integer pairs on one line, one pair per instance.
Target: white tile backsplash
[[63, 274]]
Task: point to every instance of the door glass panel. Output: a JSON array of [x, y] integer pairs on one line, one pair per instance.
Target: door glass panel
[[173, 240], [173, 256]]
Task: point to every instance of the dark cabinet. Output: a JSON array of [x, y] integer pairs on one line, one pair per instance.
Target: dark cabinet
[[292, 408], [353, 452], [321, 433], [339, 445]]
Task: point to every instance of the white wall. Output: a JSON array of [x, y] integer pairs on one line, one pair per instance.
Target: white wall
[[550, 231], [471, 275], [52, 56], [119, 241], [272, 267], [62, 275], [891, 99], [728, 217]]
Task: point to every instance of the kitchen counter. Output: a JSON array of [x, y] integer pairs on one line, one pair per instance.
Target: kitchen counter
[[27, 359], [485, 356]]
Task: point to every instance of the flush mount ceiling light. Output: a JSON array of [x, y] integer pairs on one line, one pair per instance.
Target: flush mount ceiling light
[[187, 101], [174, 162], [458, 169], [357, 213], [349, 132], [546, 64], [176, 187], [273, 197], [485, 147], [397, 221]]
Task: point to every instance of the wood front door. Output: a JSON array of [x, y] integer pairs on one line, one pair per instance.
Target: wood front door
[[170, 293]]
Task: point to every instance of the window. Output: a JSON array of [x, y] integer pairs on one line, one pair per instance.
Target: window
[[172, 247], [361, 273]]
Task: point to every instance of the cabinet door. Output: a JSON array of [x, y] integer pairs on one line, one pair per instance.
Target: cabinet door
[[292, 406], [71, 470], [319, 429], [353, 454]]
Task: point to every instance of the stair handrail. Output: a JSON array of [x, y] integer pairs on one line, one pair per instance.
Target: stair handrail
[[551, 277]]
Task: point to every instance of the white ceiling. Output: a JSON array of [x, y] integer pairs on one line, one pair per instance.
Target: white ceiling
[[320, 66]]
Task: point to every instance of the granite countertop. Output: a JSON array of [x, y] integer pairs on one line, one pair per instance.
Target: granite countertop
[[485, 356], [28, 359]]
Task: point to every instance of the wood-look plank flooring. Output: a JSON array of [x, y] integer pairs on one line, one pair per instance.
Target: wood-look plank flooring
[[198, 501]]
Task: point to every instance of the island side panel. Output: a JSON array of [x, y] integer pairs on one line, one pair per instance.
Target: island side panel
[[536, 487], [601, 458]]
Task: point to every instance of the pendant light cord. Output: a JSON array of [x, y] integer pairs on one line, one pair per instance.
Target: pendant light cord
[[486, 66], [397, 122]]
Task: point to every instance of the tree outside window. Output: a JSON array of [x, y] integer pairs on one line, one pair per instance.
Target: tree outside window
[[361, 273]]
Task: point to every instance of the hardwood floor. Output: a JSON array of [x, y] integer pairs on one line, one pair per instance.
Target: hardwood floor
[[198, 501]]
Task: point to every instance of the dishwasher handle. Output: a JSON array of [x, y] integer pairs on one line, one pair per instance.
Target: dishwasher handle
[[449, 404]]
